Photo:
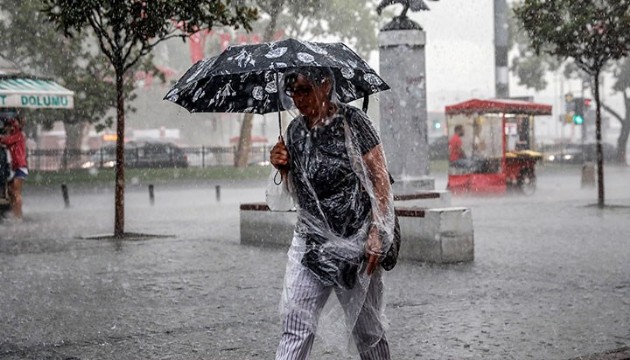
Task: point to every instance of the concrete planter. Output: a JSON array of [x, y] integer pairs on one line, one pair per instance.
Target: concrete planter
[[439, 235]]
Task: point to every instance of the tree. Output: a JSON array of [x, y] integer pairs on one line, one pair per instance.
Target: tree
[[126, 32], [32, 43], [591, 32], [307, 19], [526, 65], [531, 70]]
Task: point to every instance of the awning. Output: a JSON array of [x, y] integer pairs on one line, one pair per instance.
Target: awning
[[24, 91], [506, 106]]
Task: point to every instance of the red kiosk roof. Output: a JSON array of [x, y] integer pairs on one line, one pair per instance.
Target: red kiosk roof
[[498, 106]]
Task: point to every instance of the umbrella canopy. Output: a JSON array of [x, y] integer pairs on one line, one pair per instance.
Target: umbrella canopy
[[245, 78], [25, 91]]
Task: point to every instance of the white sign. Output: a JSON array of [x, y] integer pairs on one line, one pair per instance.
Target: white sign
[[37, 101]]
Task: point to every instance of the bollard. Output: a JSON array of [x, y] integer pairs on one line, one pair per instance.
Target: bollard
[[203, 157], [151, 195], [64, 193], [218, 192]]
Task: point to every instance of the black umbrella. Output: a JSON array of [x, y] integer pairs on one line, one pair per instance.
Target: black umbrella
[[245, 78]]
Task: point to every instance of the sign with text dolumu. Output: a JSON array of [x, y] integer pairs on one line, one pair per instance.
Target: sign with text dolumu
[[30, 92]]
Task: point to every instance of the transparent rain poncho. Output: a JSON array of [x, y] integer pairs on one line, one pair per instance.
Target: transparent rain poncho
[[340, 186]]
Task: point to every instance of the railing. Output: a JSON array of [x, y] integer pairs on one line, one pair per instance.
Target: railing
[[203, 156]]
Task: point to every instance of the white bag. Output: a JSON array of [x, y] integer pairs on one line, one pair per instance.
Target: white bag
[[278, 197]]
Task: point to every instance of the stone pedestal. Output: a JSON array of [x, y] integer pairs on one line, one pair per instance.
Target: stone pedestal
[[261, 226], [437, 235], [440, 236], [403, 109]]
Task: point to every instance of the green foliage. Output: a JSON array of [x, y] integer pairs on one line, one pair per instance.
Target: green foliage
[[128, 30], [526, 65], [34, 45], [531, 71], [354, 22], [590, 32]]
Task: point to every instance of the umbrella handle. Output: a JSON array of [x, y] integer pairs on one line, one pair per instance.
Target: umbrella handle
[[278, 103], [280, 122]]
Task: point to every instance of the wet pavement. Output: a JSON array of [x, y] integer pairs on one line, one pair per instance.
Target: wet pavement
[[550, 280]]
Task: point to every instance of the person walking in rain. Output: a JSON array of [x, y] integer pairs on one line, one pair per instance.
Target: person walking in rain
[[15, 142], [334, 167]]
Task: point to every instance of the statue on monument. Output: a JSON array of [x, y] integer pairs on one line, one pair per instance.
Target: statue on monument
[[414, 5], [402, 22]]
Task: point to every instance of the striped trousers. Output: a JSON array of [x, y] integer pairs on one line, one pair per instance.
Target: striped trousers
[[305, 297]]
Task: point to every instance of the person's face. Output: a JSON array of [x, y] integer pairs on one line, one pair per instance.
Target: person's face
[[13, 127], [309, 98], [460, 131]]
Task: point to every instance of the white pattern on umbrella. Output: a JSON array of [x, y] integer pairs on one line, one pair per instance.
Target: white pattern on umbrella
[[243, 59], [276, 53], [314, 48], [271, 87], [173, 95], [203, 66], [372, 79], [347, 72], [224, 93], [198, 94], [257, 93], [305, 58], [347, 93]]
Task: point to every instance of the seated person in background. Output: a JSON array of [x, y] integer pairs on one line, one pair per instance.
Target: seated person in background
[[456, 155]]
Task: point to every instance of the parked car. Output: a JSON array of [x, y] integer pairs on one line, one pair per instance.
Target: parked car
[[609, 152], [576, 153], [146, 154], [105, 157]]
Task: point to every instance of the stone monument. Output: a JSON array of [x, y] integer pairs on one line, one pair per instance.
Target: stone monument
[[403, 109]]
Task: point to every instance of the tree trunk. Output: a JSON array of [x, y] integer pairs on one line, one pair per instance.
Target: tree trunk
[[119, 202], [598, 139], [74, 138], [622, 141], [244, 142]]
